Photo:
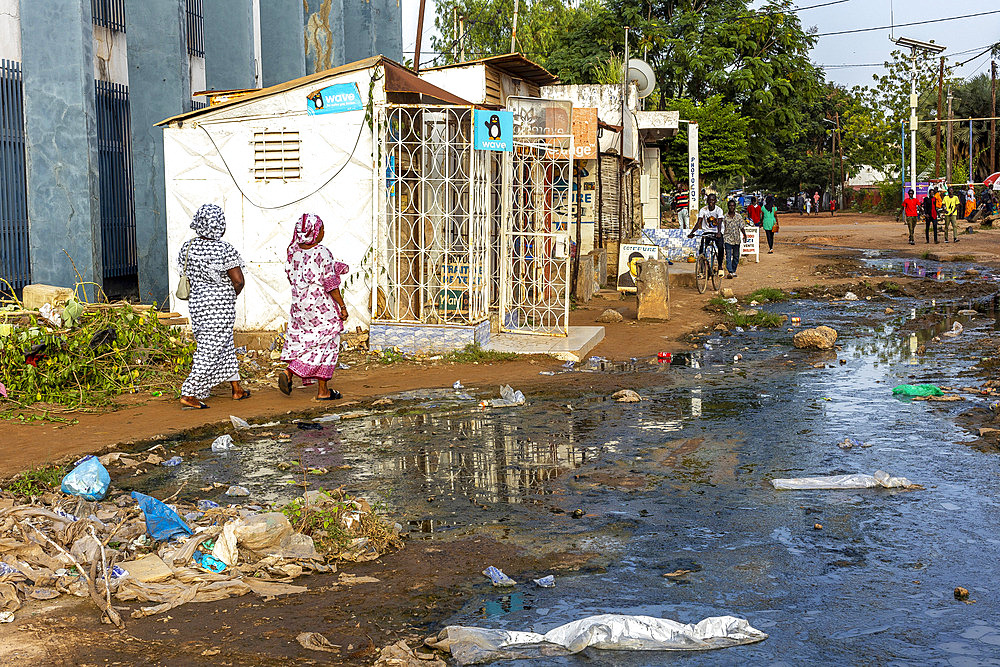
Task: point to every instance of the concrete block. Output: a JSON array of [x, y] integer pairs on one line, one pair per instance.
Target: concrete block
[[35, 296], [652, 287], [600, 266]]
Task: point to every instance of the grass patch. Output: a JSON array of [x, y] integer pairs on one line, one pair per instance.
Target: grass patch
[[335, 519], [761, 319], [36, 481], [768, 294], [890, 286], [473, 353], [925, 254]]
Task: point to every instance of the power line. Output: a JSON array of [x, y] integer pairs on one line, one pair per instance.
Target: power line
[[802, 9], [903, 25]]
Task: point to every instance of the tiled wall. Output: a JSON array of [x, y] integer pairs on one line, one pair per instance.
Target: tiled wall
[[426, 338], [674, 243]]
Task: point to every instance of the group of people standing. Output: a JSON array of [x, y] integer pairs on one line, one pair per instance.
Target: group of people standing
[[809, 204], [214, 269], [727, 230], [938, 206]]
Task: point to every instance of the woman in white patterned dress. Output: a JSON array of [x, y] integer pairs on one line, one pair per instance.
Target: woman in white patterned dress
[[318, 312], [215, 270]]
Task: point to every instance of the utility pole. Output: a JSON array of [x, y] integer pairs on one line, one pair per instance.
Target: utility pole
[[940, 112], [420, 30], [993, 114], [461, 36], [513, 30], [840, 146], [947, 168], [454, 32]]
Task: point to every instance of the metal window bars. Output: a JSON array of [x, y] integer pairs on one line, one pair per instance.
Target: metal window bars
[[119, 251], [435, 214], [195, 12], [109, 14], [14, 253]]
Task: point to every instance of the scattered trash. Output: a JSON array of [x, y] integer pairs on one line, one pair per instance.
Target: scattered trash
[[664, 357], [796, 320], [208, 561], [235, 490], [162, 523], [382, 402], [737, 357], [343, 367], [457, 385], [498, 578], [548, 581], [471, 645], [508, 398], [569, 364], [325, 419], [849, 443], [880, 479], [731, 299], [207, 504], [224, 443], [309, 426], [917, 390], [239, 424], [961, 594], [956, 330], [546, 372], [172, 461], [314, 641], [817, 526], [89, 479], [850, 296], [677, 573], [968, 312], [626, 396], [6, 617]]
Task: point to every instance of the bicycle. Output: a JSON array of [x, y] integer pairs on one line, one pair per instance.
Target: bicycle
[[707, 260]]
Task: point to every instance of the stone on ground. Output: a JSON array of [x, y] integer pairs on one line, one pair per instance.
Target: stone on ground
[[626, 396], [610, 315], [818, 338]]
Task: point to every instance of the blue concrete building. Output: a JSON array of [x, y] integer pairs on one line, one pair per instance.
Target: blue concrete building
[[81, 161]]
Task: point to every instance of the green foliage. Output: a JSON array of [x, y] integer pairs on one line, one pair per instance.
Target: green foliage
[[322, 522], [145, 355], [35, 482], [474, 353], [768, 294], [722, 140], [760, 319]]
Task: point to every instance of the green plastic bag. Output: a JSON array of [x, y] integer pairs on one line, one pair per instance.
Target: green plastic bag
[[917, 390]]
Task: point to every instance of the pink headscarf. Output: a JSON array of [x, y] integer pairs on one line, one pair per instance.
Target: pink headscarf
[[307, 231]]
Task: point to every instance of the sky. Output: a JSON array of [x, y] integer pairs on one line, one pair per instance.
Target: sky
[[963, 38]]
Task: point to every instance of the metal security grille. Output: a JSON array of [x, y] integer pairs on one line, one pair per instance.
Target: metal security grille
[[195, 28], [115, 168], [436, 209], [534, 273], [14, 266], [109, 14], [276, 155]]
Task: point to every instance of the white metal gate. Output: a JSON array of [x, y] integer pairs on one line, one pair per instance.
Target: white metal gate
[[534, 238], [435, 213]]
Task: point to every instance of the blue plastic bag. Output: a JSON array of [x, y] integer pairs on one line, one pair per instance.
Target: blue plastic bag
[[162, 523], [89, 479]]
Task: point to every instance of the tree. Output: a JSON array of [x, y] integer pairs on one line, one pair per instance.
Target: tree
[[722, 142]]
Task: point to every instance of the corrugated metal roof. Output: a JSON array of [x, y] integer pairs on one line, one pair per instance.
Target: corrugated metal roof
[[398, 79], [514, 64]]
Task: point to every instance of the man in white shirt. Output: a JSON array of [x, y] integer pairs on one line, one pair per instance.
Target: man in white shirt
[[710, 220]]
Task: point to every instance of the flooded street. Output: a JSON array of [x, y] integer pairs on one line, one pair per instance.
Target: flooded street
[[681, 481]]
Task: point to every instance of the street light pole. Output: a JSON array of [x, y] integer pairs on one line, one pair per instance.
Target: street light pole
[[913, 120]]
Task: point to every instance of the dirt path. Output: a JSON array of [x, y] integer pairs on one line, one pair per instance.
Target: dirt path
[[809, 251]]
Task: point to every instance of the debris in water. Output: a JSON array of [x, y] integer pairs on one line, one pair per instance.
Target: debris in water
[[309, 426], [626, 396], [223, 443], [498, 578], [548, 581], [235, 490]]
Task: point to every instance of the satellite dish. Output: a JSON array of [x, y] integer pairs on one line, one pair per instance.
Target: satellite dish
[[641, 74]]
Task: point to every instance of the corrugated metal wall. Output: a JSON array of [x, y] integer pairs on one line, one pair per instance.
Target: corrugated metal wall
[[117, 195], [14, 257]]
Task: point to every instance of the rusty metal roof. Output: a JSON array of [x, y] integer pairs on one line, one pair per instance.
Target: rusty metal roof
[[398, 79], [515, 65]]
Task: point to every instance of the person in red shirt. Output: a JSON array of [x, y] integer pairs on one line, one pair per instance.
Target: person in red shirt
[[753, 212], [911, 209]]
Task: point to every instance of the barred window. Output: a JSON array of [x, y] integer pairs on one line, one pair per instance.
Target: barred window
[[195, 28], [109, 14], [276, 155]]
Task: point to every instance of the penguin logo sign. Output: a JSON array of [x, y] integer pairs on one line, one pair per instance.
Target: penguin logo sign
[[493, 130], [493, 127], [335, 98]]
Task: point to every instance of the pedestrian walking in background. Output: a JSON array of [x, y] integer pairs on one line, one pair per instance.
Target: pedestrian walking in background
[[930, 217], [816, 201], [833, 206], [949, 207], [769, 221], [317, 315], [911, 211], [970, 202], [733, 236], [215, 271], [962, 196], [681, 206], [753, 211]]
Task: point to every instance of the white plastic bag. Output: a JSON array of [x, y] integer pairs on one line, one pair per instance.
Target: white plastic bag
[[880, 479], [224, 443]]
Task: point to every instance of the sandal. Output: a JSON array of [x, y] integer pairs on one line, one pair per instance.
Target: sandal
[[285, 384], [246, 394], [201, 406], [334, 396]]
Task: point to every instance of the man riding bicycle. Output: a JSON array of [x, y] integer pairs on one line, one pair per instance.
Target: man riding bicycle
[[710, 222]]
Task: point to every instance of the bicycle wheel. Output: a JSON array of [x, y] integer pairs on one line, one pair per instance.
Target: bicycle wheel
[[701, 271], [713, 269]]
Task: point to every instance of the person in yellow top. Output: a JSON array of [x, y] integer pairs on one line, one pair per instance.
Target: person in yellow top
[[949, 206]]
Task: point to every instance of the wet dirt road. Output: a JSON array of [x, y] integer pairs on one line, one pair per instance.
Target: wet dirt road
[[681, 481]]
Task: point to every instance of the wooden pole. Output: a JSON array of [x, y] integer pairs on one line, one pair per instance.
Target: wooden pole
[[420, 31], [513, 29], [940, 112], [840, 146], [993, 114], [461, 36], [454, 32]]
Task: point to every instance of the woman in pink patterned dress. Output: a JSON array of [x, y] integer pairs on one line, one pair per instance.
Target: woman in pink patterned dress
[[318, 313]]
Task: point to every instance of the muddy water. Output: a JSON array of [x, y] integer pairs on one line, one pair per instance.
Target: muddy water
[[681, 481]]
